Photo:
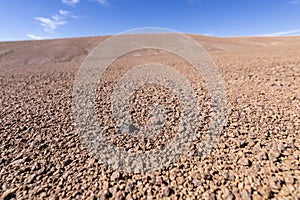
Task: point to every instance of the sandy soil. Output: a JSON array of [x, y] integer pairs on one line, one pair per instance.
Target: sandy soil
[[256, 157]]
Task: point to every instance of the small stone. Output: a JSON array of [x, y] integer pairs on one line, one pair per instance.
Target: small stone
[[256, 196], [209, 196], [244, 161], [274, 155], [196, 182], [208, 176], [8, 194], [43, 194], [281, 147], [257, 146], [115, 176], [119, 195], [296, 155], [30, 178], [133, 128], [262, 156], [167, 191], [105, 195], [289, 179], [265, 192], [158, 180], [67, 162], [227, 194], [245, 195], [19, 161], [129, 188], [105, 185], [275, 183], [65, 175], [181, 128], [291, 188], [91, 162], [42, 146], [285, 191], [35, 166], [180, 180], [243, 144]]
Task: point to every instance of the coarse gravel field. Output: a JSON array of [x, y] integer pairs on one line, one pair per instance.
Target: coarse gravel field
[[257, 155]]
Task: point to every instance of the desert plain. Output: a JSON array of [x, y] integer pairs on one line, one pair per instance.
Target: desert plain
[[257, 155]]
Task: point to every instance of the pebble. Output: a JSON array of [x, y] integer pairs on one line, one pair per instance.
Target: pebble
[[30, 178], [245, 195], [167, 191], [115, 176], [262, 156], [209, 196], [227, 194], [8, 194], [275, 183], [274, 155], [244, 161]]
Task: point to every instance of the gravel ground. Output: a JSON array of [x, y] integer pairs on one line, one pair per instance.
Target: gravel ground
[[256, 157]]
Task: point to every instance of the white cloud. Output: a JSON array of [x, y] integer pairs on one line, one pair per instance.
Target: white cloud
[[50, 24], [34, 37], [286, 33], [64, 12], [70, 2], [103, 2], [57, 17]]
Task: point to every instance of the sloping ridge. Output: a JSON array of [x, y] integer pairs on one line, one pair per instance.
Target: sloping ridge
[[30, 53]]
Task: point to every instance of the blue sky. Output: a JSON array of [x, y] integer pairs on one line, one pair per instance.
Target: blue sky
[[47, 19]]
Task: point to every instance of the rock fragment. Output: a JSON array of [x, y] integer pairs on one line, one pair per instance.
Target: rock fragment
[[8, 194]]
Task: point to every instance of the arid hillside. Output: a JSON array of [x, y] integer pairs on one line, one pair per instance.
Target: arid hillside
[[257, 155]]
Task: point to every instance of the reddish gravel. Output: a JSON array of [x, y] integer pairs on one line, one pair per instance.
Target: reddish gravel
[[256, 157]]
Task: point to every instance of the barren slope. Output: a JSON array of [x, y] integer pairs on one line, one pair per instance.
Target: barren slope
[[257, 155]]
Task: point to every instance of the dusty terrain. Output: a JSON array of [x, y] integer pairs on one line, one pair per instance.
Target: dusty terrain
[[256, 157]]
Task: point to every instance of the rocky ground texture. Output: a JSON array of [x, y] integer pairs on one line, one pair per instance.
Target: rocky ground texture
[[257, 156]]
